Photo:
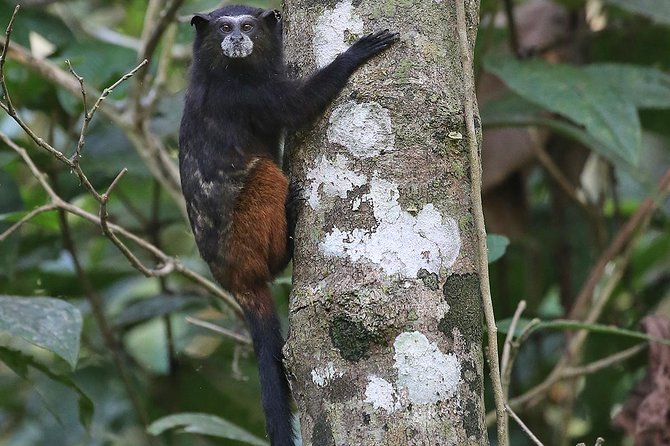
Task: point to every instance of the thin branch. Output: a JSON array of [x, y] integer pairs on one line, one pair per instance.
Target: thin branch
[[505, 363], [29, 216], [3, 56], [111, 88], [8, 105], [164, 62], [624, 235], [163, 270], [480, 231], [149, 44], [80, 143], [605, 363], [525, 428], [220, 330], [166, 16], [553, 170]]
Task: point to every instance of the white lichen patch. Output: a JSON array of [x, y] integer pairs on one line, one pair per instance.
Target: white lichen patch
[[401, 243], [364, 129], [322, 376], [381, 395], [330, 31], [424, 371], [332, 178]]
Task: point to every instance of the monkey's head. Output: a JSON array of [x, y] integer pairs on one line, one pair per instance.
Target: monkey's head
[[237, 35]]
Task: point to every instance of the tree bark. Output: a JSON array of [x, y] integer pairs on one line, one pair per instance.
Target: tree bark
[[385, 343]]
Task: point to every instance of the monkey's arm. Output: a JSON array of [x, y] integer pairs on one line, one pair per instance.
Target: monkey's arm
[[303, 101]]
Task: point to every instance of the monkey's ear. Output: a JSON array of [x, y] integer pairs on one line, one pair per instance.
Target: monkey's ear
[[271, 17], [200, 21]]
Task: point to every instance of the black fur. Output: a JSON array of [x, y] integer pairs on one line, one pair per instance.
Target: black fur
[[235, 111], [275, 391]]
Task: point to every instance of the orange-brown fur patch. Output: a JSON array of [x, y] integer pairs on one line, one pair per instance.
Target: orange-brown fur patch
[[257, 242]]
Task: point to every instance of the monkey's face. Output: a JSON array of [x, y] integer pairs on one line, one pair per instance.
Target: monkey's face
[[237, 33], [234, 33]]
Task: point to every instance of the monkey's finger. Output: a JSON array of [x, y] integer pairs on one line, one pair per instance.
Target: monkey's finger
[[373, 36], [378, 40], [385, 42], [388, 38]]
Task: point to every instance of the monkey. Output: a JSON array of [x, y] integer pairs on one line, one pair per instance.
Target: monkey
[[241, 207]]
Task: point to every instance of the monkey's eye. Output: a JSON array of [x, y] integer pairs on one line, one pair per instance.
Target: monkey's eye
[[247, 27], [226, 28]]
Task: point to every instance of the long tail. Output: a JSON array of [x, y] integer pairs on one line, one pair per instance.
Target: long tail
[[268, 342]]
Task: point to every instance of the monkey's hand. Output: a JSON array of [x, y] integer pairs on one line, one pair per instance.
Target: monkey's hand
[[370, 45]]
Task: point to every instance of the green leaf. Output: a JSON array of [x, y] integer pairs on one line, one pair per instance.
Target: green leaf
[[644, 86], [198, 423], [579, 96], [656, 10], [49, 323], [497, 245], [21, 363]]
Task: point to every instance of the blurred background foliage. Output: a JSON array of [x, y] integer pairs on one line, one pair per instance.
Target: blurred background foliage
[[575, 105]]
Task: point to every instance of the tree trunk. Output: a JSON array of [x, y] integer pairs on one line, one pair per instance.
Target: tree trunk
[[385, 342]]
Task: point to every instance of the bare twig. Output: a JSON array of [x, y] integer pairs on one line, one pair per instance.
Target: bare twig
[[163, 65], [88, 114], [167, 268], [80, 143], [477, 210], [505, 363], [523, 426], [111, 88], [150, 39], [29, 216], [605, 363], [553, 170], [508, 355], [150, 42], [3, 56], [218, 329], [618, 243], [8, 105]]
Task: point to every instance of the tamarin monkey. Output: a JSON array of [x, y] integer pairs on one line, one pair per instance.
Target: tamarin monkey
[[239, 203]]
